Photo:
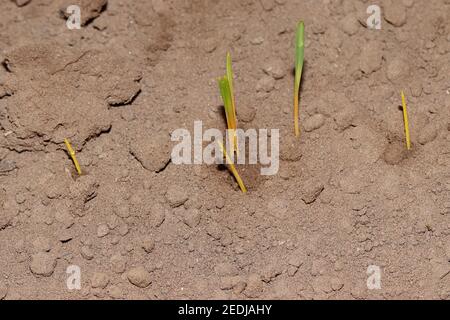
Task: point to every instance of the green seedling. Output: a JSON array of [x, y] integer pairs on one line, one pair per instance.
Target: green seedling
[[227, 93], [299, 56]]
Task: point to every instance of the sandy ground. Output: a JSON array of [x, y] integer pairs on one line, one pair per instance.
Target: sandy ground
[[348, 196]]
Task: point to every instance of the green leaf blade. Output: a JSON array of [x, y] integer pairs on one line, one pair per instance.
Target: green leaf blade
[[230, 73], [230, 82], [299, 53], [225, 91]]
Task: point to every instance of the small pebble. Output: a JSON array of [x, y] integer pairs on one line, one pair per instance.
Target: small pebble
[[115, 240], [43, 264], [314, 122], [210, 45], [139, 277], [112, 222], [65, 235], [161, 7], [158, 215], [102, 230], [21, 3], [371, 57], [148, 244], [265, 84], [394, 13], [290, 149], [220, 202], [336, 284], [246, 113], [192, 217], [123, 229], [394, 153], [397, 69], [350, 24], [20, 198], [226, 269], [311, 191], [214, 231], [268, 5], [115, 292], [257, 41], [344, 118], [122, 211], [296, 260], [427, 134], [63, 216], [176, 195], [291, 271], [275, 68], [118, 263], [87, 253], [99, 280], [321, 284], [42, 244], [7, 166]]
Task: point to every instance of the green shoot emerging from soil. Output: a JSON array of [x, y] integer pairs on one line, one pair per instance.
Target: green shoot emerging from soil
[[227, 92], [299, 56]]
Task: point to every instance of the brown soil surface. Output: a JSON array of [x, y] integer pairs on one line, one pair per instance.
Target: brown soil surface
[[348, 195]]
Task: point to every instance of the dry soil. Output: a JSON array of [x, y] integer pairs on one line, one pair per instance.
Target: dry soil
[[347, 196]]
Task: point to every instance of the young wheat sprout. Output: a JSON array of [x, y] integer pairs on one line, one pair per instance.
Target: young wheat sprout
[[299, 56], [72, 155], [406, 122]]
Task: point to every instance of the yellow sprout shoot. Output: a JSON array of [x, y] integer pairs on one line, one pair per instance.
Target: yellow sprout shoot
[[72, 155], [406, 123], [233, 168]]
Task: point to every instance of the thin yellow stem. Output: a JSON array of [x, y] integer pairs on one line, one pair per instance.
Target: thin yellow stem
[[296, 126], [406, 123], [233, 168], [72, 155]]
